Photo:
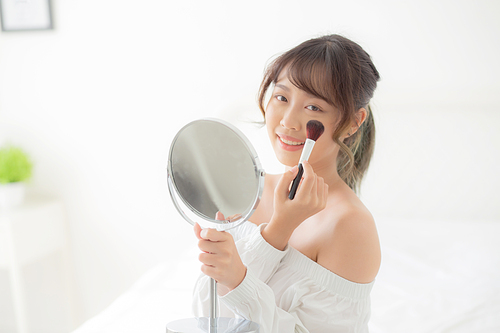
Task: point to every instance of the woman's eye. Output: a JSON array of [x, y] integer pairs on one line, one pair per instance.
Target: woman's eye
[[313, 108], [281, 98]]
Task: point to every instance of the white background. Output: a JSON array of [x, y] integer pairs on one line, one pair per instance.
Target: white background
[[96, 102]]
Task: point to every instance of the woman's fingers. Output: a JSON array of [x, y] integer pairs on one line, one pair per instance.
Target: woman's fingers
[[211, 246], [219, 216], [210, 239], [210, 234], [197, 230], [220, 257], [214, 235], [308, 183], [234, 217], [207, 258], [312, 191]]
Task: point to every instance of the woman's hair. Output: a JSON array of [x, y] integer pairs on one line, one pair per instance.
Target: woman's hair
[[340, 72]]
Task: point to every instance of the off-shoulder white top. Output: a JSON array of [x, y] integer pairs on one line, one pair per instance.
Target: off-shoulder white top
[[285, 291]]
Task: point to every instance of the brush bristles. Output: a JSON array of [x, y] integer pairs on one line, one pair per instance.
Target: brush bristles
[[314, 129]]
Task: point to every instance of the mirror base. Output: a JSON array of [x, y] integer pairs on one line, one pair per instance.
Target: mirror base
[[201, 325]]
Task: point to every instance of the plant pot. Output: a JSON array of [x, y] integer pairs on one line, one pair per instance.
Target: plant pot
[[11, 194]]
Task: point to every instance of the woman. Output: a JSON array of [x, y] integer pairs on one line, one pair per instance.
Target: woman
[[307, 264]]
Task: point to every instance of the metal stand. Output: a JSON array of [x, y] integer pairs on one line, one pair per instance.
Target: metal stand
[[212, 324], [212, 320], [201, 325]]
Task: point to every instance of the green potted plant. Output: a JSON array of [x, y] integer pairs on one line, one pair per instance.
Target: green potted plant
[[15, 170]]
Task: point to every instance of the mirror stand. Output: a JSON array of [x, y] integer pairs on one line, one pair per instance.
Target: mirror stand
[[213, 323], [207, 158]]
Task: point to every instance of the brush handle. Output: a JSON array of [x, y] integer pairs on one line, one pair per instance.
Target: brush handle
[[295, 183], [306, 151]]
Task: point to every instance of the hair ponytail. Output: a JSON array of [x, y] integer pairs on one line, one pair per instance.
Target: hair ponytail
[[356, 152]]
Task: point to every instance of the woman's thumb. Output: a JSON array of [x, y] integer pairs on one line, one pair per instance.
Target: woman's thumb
[[197, 230]]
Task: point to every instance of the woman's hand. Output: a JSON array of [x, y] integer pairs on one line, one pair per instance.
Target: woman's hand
[[220, 257], [288, 214]]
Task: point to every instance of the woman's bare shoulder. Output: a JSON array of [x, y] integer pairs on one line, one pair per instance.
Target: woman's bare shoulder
[[351, 247]]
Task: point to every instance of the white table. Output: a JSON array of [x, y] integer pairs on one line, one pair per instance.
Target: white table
[[30, 232]]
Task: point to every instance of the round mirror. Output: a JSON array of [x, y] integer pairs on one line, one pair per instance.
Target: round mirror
[[214, 174]]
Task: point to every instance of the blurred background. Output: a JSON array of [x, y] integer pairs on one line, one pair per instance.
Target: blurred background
[[97, 100]]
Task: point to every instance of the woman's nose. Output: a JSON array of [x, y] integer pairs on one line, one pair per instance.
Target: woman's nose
[[291, 119]]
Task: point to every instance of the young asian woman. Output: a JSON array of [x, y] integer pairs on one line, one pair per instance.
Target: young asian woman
[[307, 264]]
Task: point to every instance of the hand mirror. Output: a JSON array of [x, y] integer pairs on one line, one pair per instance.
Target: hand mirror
[[212, 170], [212, 167]]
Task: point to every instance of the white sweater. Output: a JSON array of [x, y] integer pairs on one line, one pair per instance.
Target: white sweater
[[285, 291]]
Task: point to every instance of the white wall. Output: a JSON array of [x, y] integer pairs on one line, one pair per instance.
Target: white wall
[[97, 101]]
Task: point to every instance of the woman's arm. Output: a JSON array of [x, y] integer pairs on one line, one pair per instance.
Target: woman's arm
[[252, 300], [253, 251], [220, 257]]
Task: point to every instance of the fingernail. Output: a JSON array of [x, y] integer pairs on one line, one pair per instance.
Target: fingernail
[[292, 170]]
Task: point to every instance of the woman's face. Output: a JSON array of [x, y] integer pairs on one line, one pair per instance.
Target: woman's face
[[287, 114]]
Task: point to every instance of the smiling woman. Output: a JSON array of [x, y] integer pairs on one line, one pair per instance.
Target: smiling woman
[[338, 77], [305, 264]]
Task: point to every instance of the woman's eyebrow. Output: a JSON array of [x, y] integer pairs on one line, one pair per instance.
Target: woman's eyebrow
[[287, 89], [282, 86]]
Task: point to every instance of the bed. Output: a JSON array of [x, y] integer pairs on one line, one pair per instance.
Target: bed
[[436, 276]]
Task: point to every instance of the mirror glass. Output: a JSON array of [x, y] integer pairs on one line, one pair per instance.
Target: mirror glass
[[213, 168]]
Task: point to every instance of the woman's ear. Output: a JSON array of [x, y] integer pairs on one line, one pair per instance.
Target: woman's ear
[[360, 119]]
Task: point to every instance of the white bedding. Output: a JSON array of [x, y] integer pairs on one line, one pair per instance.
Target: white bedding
[[436, 276]]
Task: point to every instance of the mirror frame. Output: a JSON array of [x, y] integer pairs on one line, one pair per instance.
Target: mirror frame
[[206, 221]]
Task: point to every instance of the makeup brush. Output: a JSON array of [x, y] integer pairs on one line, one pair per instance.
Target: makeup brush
[[314, 130]]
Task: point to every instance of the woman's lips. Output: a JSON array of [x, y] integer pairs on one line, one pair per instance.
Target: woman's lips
[[289, 144]]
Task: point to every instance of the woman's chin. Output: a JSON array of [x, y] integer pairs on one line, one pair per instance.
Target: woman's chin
[[288, 162], [287, 158]]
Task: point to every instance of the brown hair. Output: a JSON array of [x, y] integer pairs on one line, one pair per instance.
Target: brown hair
[[340, 72]]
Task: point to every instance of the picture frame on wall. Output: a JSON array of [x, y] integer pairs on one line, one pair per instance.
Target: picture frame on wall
[[25, 15]]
